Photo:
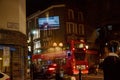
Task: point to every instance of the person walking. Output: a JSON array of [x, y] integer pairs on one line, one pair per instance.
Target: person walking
[[111, 64]]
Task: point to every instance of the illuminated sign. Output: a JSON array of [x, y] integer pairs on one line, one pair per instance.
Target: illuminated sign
[[47, 23]]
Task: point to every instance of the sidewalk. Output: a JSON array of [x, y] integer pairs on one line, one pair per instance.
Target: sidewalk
[[98, 76]]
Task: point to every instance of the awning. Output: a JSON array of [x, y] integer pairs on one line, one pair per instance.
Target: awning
[[45, 56], [91, 51]]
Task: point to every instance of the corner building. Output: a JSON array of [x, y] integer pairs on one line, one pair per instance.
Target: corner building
[[13, 47], [69, 26]]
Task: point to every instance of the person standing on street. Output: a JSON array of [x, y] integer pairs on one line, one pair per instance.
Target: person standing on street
[[111, 64]]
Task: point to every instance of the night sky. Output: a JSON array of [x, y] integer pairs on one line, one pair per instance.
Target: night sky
[[35, 5]]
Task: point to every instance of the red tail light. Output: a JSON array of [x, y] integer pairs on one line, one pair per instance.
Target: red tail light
[[54, 64], [84, 49], [51, 69], [7, 79], [73, 49]]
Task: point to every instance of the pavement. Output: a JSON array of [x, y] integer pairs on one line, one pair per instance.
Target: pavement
[[92, 76]]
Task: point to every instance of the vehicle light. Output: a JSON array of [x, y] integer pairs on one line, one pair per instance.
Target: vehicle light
[[54, 64], [7, 79], [84, 71], [51, 69], [87, 66], [84, 49]]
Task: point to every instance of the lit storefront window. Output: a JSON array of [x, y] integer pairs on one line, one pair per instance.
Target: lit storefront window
[[36, 34], [37, 44]]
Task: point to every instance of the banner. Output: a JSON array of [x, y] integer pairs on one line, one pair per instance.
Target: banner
[[6, 56]]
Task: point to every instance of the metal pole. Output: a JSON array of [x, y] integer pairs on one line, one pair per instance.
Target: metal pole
[[32, 66], [80, 75]]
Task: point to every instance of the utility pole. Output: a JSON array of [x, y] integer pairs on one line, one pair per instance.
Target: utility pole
[[31, 54], [80, 74]]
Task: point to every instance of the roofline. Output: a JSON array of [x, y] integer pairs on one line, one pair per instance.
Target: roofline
[[40, 12]]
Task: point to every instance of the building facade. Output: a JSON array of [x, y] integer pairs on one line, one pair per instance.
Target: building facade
[[54, 27], [104, 17], [71, 26], [13, 47]]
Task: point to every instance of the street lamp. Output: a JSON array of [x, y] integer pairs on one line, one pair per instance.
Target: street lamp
[[32, 33], [61, 45], [87, 46], [54, 45]]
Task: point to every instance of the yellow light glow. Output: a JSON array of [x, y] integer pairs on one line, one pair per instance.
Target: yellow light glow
[[54, 44], [61, 44]]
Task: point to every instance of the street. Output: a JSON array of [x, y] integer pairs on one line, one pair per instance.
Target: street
[[93, 77], [98, 76]]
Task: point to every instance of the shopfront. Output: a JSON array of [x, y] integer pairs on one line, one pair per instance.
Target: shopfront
[[13, 54]]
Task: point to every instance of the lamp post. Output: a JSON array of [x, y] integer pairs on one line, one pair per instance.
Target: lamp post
[[80, 74], [31, 64], [31, 44]]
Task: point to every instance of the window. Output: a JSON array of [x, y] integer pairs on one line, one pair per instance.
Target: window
[[50, 32], [71, 28], [29, 48], [81, 29], [79, 54], [45, 33], [70, 14], [67, 28], [109, 27], [75, 28], [37, 44], [45, 44], [36, 34], [80, 16]]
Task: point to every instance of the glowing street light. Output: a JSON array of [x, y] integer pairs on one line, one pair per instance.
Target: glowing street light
[[61, 44], [54, 44], [87, 46]]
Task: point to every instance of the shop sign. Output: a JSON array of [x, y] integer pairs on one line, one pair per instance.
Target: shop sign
[[6, 56]]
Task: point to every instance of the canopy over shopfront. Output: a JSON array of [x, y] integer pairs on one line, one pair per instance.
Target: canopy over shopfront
[[90, 51], [47, 56]]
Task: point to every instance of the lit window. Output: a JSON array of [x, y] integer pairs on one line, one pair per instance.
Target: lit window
[[109, 27], [37, 44], [29, 48], [36, 34], [81, 46]]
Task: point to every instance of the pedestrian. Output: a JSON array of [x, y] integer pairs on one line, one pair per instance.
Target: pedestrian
[[57, 74], [111, 63]]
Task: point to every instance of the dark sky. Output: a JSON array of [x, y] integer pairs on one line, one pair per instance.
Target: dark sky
[[35, 5]]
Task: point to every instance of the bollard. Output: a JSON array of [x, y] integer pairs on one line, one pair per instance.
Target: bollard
[[73, 78], [80, 74]]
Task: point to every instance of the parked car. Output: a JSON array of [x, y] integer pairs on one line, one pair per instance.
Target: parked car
[[51, 70], [4, 76]]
